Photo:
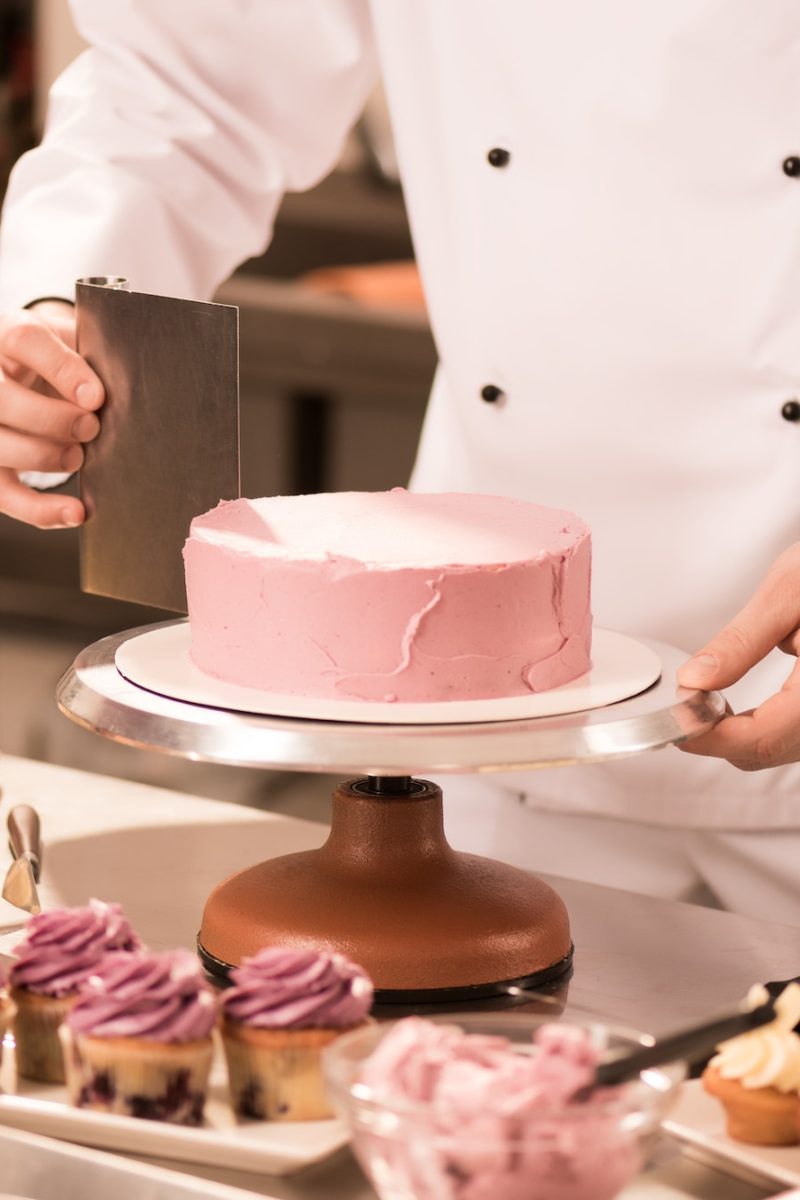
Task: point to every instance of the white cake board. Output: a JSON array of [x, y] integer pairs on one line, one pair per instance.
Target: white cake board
[[159, 662]]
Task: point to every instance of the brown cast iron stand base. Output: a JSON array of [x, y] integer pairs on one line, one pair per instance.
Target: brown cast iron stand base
[[387, 891]]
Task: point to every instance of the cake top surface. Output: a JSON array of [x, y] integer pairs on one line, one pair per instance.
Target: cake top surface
[[392, 528]]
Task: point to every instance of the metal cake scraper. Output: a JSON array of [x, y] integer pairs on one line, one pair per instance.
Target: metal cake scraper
[[168, 447]]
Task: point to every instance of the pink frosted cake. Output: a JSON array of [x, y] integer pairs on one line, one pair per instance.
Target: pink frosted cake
[[390, 596]]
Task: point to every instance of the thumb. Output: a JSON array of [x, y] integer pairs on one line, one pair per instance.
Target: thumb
[[725, 659], [701, 671], [767, 620]]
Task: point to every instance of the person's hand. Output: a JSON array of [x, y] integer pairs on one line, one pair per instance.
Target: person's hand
[[48, 401], [769, 735]]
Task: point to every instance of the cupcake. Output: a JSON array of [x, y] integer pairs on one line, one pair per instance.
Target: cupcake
[[57, 955], [756, 1076], [138, 1041], [7, 1010], [284, 1007]]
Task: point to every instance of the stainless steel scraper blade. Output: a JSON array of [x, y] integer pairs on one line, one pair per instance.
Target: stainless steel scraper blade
[[168, 446]]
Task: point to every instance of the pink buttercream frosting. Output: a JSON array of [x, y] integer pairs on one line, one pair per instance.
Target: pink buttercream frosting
[[390, 596], [157, 997], [284, 988], [62, 947], [479, 1120]]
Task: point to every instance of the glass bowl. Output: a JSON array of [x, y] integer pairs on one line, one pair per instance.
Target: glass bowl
[[579, 1150]]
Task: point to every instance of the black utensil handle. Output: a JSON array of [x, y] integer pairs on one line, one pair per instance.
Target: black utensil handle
[[776, 986], [24, 835], [687, 1045]]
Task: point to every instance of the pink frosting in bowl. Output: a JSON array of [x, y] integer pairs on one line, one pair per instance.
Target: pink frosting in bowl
[[62, 947], [281, 987], [156, 997], [489, 1106]]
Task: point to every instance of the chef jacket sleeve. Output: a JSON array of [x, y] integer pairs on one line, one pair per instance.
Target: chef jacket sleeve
[[170, 142]]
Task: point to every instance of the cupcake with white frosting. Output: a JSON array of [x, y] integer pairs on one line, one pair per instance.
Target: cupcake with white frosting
[[58, 953], [756, 1076], [138, 1041], [284, 1006]]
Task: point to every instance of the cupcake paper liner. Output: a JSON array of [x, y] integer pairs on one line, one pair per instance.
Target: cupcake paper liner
[[159, 1081], [7, 1012], [759, 1116], [36, 1023], [275, 1074]]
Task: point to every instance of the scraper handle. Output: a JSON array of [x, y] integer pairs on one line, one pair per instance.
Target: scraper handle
[[24, 836]]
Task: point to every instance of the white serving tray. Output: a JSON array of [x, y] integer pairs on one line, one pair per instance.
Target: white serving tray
[[158, 660], [265, 1147], [698, 1121], [41, 1168]]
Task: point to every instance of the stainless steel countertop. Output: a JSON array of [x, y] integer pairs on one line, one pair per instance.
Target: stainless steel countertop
[[652, 964], [657, 963]]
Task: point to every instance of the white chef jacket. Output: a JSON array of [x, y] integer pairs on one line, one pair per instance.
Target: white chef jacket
[[625, 274]]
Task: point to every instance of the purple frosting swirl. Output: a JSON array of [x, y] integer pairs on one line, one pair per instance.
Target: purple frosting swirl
[[61, 947], [284, 988], [157, 997]]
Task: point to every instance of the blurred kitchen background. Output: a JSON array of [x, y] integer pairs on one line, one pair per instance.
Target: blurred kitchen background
[[336, 364]]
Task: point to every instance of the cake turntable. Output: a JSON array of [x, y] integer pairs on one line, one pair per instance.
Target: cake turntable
[[386, 889]]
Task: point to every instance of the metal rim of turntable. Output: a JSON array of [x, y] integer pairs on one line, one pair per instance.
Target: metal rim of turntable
[[94, 695]]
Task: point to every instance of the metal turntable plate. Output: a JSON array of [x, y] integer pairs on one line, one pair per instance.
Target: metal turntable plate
[[97, 697]]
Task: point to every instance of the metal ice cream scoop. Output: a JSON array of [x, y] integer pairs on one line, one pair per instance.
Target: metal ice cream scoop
[[24, 842]]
